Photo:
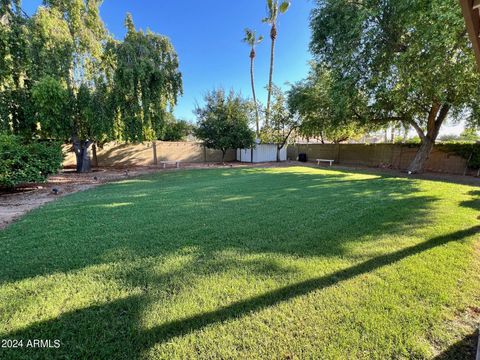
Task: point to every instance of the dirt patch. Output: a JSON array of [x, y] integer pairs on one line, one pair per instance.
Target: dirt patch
[[14, 205]]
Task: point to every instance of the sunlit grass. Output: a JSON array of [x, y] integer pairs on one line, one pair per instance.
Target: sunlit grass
[[246, 263]]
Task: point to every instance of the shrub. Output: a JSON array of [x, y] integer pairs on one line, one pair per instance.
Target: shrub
[[177, 130], [22, 163], [50, 154], [469, 151]]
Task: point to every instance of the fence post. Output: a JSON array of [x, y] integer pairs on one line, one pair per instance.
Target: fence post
[[154, 147]]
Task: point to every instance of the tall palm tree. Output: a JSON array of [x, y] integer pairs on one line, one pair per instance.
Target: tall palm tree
[[274, 8], [252, 40]]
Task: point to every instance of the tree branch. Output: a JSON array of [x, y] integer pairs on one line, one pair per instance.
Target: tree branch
[[418, 129], [432, 115], [442, 115], [288, 135], [378, 120]]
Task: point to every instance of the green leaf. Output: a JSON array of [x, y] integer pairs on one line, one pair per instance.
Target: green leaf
[[284, 6]]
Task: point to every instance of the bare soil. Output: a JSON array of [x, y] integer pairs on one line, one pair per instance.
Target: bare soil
[[15, 204]]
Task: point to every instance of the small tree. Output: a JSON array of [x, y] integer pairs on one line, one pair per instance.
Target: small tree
[[223, 122], [470, 135], [282, 123], [177, 130]]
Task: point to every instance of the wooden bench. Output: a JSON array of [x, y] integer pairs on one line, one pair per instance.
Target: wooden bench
[[324, 160], [176, 162]]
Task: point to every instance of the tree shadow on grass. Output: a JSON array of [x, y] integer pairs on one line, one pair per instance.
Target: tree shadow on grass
[[473, 203], [294, 213], [461, 350], [113, 330]]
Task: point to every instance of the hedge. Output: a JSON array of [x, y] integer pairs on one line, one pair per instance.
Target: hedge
[[468, 151], [27, 162]]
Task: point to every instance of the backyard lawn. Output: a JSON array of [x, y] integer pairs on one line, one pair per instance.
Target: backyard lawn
[[246, 263]]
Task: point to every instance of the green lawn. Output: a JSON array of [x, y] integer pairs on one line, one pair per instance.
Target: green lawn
[[246, 263]]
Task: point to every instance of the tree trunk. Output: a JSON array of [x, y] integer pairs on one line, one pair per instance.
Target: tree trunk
[[223, 156], [416, 166], [154, 147], [252, 80], [94, 155], [273, 36], [437, 115], [80, 148], [278, 153]]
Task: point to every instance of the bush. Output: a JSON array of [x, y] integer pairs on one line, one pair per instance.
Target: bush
[[413, 140], [22, 163], [469, 151], [177, 130]]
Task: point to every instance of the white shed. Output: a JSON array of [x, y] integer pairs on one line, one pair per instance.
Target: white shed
[[261, 153]]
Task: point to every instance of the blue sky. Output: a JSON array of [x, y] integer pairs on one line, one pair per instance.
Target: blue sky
[[207, 36]]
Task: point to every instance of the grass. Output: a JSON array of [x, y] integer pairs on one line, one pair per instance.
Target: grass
[[246, 263]]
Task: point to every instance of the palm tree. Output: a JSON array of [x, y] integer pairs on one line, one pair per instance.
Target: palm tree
[[274, 8], [252, 40]]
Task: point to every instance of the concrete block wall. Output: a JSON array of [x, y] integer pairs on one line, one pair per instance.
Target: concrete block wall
[[124, 155], [397, 156]]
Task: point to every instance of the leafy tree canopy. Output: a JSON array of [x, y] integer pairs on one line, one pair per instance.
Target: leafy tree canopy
[[223, 122], [282, 123], [62, 76], [403, 60], [177, 130], [314, 100], [147, 82]]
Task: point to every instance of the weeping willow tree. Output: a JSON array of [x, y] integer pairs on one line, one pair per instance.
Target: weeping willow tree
[[67, 40], [14, 69], [147, 83], [63, 77]]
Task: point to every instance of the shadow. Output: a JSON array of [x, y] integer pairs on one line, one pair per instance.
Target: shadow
[[303, 215], [430, 176], [322, 217], [126, 155], [325, 213], [117, 326], [475, 202], [461, 350], [181, 327]]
